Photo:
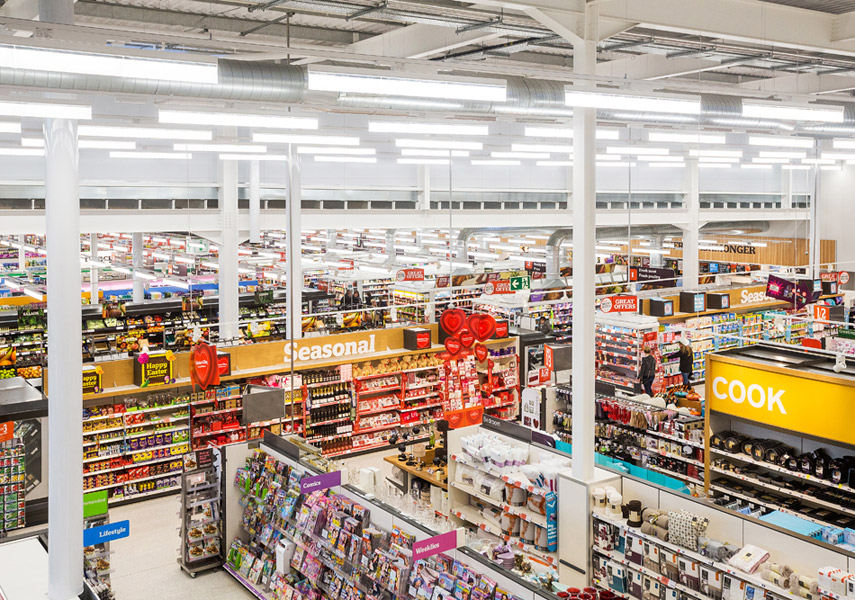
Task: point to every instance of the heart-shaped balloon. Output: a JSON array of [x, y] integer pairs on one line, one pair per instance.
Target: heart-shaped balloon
[[453, 346], [501, 329], [452, 320], [467, 338], [482, 326], [481, 352]]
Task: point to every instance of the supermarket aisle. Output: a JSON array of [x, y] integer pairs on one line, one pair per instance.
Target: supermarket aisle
[[144, 564]]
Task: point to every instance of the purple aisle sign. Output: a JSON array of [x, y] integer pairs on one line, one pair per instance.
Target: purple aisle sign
[[435, 545], [317, 483]]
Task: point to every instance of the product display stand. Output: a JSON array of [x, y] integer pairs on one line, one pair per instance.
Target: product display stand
[[96, 561], [619, 342], [201, 511], [12, 485]]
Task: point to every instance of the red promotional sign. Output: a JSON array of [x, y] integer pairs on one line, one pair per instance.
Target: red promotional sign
[[442, 281], [345, 264], [650, 336], [843, 277], [543, 375], [548, 359], [502, 286], [224, 363], [821, 313], [501, 329], [204, 365], [410, 275], [7, 431], [492, 276], [828, 276], [619, 304]]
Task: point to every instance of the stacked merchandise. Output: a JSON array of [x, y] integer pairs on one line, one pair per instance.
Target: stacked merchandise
[[562, 418], [500, 386], [201, 516], [505, 496], [651, 435], [421, 402], [216, 416], [560, 316], [813, 485], [12, 485], [460, 383], [619, 347], [645, 553]]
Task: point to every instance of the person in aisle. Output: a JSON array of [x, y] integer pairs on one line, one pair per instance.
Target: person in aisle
[[687, 358], [357, 301], [647, 373], [543, 326], [347, 301]]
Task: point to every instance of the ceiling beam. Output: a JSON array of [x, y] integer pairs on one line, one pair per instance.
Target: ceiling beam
[[802, 83], [656, 66]]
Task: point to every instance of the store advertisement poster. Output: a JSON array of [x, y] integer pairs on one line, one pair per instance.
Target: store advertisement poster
[[780, 289], [318, 483]]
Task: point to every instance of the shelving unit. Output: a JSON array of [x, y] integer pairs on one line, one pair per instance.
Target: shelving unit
[[202, 535], [618, 342]]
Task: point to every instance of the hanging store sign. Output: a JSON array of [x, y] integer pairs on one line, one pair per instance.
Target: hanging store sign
[[7, 431], [442, 281], [92, 383], [843, 277], [619, 304], [204, 365], [337, 347], [106, 533], [155, 370], [498, 287], [827, 277], [94, 504], [410, 275], [821, 313], [438, 543], [319, 483], [781, 397]]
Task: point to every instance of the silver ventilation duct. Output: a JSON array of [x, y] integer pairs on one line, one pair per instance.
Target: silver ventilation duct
[[238, 80]]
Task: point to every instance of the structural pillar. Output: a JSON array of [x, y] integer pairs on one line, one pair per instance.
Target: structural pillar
[[584, 256], [65, 400], [22, 254], [813, 229], [254, 202], [93, 270], [137, 256], [424, 187], [692, 231], [786, 188], [228, 256], [294, 256]]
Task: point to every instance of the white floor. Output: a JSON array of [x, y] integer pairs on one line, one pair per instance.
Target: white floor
[[144, 564]]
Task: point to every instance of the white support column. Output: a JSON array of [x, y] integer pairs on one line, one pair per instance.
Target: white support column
[[228, 257], [332, 237], [390, 246], [813, 229], [22, 254], [584, 257], [254, 202], [65, 400], [93, 270], [553, 260], [691, 233], [424, 187], [294, 256], [137, 256], [786, 188]]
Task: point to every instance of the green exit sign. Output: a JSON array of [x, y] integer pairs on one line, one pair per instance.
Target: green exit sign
[[520, 283]]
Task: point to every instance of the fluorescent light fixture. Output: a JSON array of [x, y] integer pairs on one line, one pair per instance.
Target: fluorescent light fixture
[[505, 247], [605, 248], [718, 248], [177, 283], [666, 165], [160, 255], [714, 165], [637, 150], [427, 128], [106, 64], [144, 275], [287, 138], [31, 142], [796, 167], [838, 155], [210, 265], [562, 148], [686, 138], [159, 240], [250, 157], [214, 147], [45, 110], [495, 163], [529, 155], [120, 269], [22, 152], [444, 144], [660, 158], [554, 163], [185, 260], [758, 244], [830, 168], [567, 132], [823, 113], [34, 294], [384, 83], [713, 159], [619, 101], [620, 163], [780, 142], [153, 155], [423, 161], [757, 166], [715, 153], [7, 127], [346, 159], [427, 152], [335, 150], [771, 161], [183, 117], [818, 161], [106, 145], [843, 144], [144, 133], [774, 154]]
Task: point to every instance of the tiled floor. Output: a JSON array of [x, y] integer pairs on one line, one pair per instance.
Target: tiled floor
[[144, 564]]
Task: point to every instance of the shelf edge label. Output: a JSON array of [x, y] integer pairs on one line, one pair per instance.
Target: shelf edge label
[[436, 544], [318, 483]]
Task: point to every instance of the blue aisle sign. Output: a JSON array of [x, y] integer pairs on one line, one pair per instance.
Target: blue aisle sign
[[106, 533]]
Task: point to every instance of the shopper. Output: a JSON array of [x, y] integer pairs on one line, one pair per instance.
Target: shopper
[[647, 373], [687, 359], [357, 301], [543, 326], [347, 302]]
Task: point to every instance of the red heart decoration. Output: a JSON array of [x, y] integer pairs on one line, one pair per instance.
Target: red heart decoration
[[454, 418], [452, 320], [483, 326], [200, 359], [467, 339], [445, 356], [214, 377], [481, 352], [487, 388], [501, 329], [474, 416], [453, 346]]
